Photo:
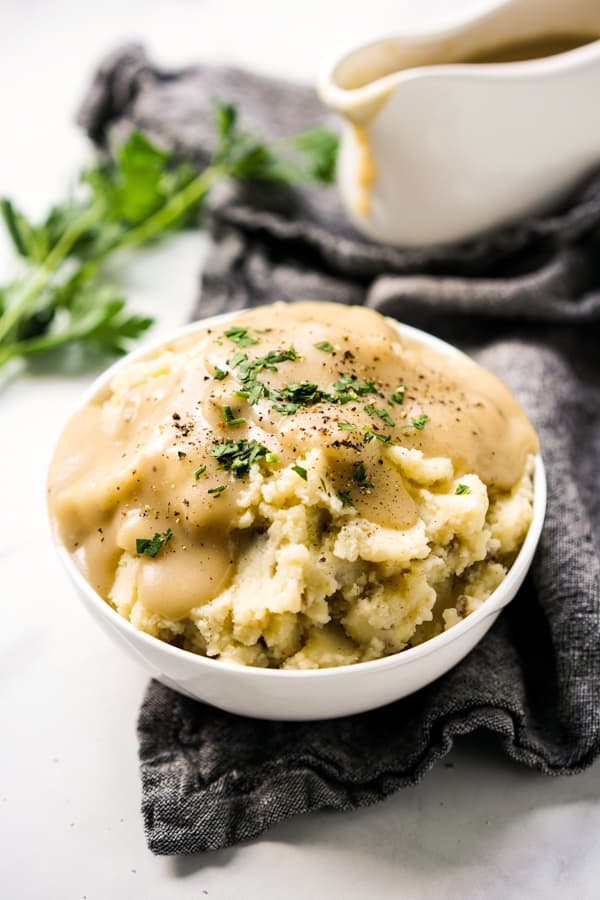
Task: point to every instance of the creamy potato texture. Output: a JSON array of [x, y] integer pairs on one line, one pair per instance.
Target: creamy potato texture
[[297, 487]]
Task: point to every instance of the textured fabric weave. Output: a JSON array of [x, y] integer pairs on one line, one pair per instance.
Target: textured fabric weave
[[525, 302]]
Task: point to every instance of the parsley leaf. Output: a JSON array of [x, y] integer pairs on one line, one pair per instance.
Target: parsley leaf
[[300, 471], [230, 419], [219, 374], [369, 434], [240, 336], [360, 475], [345, 498], [325, 346], [349, 388], [152, 546], [399, 394], [298, 394], [462, 489], [238, 456]]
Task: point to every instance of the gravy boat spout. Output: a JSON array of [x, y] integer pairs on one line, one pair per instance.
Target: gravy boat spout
[[452, 133]]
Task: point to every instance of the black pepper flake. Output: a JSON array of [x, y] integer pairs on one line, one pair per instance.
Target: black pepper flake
[[176, 416], [181, 454]]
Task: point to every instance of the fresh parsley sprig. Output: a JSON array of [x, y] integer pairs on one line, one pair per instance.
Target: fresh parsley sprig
[[59, 296]]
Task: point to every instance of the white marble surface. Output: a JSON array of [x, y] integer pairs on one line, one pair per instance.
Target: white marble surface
[[70, 825]]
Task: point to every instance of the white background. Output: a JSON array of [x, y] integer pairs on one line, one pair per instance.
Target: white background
[[70, 825]]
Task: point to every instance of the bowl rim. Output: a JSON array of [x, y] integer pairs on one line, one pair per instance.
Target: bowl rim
[[499, 598]]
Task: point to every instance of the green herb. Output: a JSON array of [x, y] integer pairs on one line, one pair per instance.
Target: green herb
[[238, 357], [219, 374], [420, 422], [60, 298], [238, 456], [324, 486], [360, 475], [151, 546], [286, 409], [369, 434], [346, 426], [399, 394], [463, 489], [229, 418], [384, 414], [217, 490], [325, 346], [248, 369], [300, 471], [253, 392], [345, 498], [240, 336], [349, 388], [199, 471], [303, 393]]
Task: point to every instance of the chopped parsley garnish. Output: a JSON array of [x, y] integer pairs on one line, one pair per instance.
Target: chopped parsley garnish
[[382, 413], [324, 486], [219, 374], [199, 471], [295, 395], [325, 346], [217, 490], [399, 394], [238, 456], [345, 498], [151, 546], [238, 357], [346, 426], [420, 422], [463, 489], [240, 336], [253, 391], [300, 471], [286, 409], [349, 388], [248, 369], [230, 419], [370, 434], [360, 475]]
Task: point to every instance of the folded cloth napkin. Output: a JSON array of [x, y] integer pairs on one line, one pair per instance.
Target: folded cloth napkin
[[525, 302]]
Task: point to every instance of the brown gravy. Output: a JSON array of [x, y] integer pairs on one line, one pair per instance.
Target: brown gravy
[[398, 57], [138, 459], [534, 48]]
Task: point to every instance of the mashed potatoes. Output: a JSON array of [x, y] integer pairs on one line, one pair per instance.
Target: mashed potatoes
[[299, 487]]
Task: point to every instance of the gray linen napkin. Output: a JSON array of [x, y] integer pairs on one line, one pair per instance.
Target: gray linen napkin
[[525, 301]]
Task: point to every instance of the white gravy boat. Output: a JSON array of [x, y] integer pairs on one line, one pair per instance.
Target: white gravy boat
[[440, 146]]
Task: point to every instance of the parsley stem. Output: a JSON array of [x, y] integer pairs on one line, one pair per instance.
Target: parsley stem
[[191, 194]]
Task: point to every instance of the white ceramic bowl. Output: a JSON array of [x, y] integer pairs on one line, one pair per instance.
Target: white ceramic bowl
[[312, 694]]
